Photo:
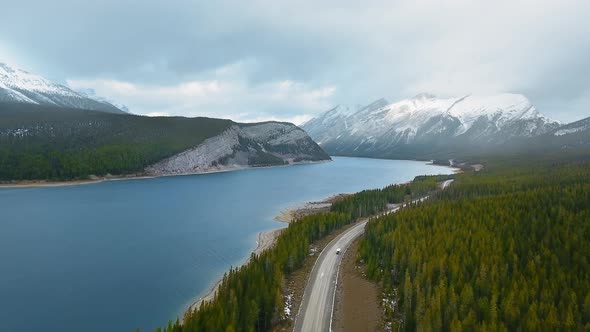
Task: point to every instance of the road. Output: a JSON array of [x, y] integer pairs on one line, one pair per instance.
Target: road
[[315, 312]]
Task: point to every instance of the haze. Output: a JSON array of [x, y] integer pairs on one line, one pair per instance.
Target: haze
[[285, 60]]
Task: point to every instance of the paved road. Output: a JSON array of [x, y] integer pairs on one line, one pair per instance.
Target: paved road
[[315, 312], [446, 183]]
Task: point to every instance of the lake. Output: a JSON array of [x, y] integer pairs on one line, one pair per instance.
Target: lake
[[119, 255]]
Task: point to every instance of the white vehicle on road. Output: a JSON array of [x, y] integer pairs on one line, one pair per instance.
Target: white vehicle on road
[[338, 251]]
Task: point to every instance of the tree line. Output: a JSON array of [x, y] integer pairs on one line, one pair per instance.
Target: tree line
[[370, 202], [501, 250]]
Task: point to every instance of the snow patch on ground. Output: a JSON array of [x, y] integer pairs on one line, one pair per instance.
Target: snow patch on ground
[[288, 305]]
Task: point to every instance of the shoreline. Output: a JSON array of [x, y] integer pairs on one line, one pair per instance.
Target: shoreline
[[141, 176], [299, 210], [266, 239], [45, 183]]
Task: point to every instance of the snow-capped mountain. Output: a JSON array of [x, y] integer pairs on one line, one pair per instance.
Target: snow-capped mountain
[[19, 86], [425, 122]]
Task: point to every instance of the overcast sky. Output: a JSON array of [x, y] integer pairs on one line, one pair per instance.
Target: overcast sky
[[290, 60]]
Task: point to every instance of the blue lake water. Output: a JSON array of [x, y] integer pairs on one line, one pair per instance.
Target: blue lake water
[[120, 255]]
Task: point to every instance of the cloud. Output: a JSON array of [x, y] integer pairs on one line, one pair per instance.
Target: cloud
[[354, 51], [226, 93]]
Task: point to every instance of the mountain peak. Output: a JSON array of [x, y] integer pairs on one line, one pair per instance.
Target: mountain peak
[[20, 86], [425, 118]]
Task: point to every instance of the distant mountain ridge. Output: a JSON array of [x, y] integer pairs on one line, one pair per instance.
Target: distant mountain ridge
[[20, 86], [579, 126], [424, 124]]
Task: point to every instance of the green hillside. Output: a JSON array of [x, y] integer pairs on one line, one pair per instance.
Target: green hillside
[[40, 142]]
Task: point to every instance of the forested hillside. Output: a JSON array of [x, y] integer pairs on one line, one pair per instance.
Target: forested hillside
[[502, 250], [250, 297], [43, 142], [52, 143]]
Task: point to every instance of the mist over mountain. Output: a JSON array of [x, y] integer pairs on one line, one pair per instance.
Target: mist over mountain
[[425, 125]]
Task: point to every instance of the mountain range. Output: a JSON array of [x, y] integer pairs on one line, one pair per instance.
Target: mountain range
[[49, 131], [20, 86], [427, 127]]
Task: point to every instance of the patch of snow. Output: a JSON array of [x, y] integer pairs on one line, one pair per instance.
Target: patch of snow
[[17, 85], [569, 131], [288, 305], [15, 78]]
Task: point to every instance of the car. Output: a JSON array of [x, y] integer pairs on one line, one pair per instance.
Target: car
[[338, 251]]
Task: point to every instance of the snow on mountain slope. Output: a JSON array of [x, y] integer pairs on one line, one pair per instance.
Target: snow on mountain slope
[[338, 120], [9, 95], [574, 127], [19, 86], [90, 93], [381, 128]]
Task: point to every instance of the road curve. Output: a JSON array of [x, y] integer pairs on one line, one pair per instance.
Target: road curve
[[315, 312]]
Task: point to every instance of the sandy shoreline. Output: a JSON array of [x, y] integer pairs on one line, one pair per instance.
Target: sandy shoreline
[[300, 210], [45, 183]]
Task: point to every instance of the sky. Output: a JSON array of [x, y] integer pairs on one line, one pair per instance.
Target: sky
[[291, 60]]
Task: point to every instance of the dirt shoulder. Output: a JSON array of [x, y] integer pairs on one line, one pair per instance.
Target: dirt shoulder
[[357, 307], [296, 282]]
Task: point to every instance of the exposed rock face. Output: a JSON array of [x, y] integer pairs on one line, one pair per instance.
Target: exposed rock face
[[244, 145]]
